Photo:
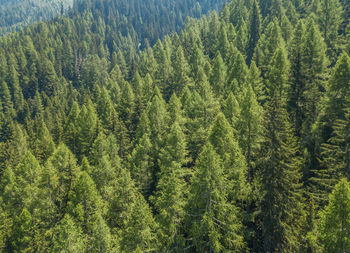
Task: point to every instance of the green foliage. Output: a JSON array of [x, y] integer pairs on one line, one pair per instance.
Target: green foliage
[[116, 137], [279, 175], [213, 222], [334, 223]]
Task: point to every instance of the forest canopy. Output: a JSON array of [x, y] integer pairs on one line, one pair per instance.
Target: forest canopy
[[177, 126]]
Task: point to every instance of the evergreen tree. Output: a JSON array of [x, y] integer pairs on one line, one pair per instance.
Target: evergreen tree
[[60, 174], [334, 160], [22, 237], [329, 20], [42, 143], [181, 71], [70, 128], [169, 198], [68, 237], [254, 31], [249, 127], [87, 128], [269, 42], [213, 222], [280, 181], [86, 207], [6, 101], [218, 75], [333, 227], [234, 165]]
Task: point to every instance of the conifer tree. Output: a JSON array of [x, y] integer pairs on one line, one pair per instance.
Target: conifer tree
[[42, 144], [334, 224], [337, 92], [175, 111], [234, 165], [61, 173], [6, 101], [181, 71], [5, 227], [141, 164], [231, 110], [87, 127], [22, 237], [314, 69], [70, 128], [127, 105], [218, 75], [269, 42], [169, 198], [68, 237], [255, 80], [296, 75], [105, 163], [329, 20], [249, 127], [254, 31], [213, 222], [237, 72], [335, 160], [280, 176], [86, 207]]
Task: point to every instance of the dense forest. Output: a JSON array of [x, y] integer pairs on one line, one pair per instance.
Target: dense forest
[[15, 14], [128, 126]]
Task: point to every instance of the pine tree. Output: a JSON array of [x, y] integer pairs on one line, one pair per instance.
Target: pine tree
[[16, 91], [269, 42], [141, 165], [280, 180], [6, 101], [42, 143], [336, 93], [277, 75], [5, 227], [70, 128], [140, 228], [238, 73], [87, 128], [218, 75], [68, 237], [242, 36], [231, 110], [126, 108], [334, 224], [249, 127], [169, 198], [254, 31], [335, 160], [22, 236], [105, 163], [213, 222], [297, 78], [314, 69], [234, 165], [175, 111], [181, 71], [60, 174], [255, 80], [86, 207], [329, 20]]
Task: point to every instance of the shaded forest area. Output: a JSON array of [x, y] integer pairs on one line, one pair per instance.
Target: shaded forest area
[[231, 135], [15, 14]]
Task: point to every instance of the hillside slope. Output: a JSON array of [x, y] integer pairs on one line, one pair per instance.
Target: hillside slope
[[230, 135]]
